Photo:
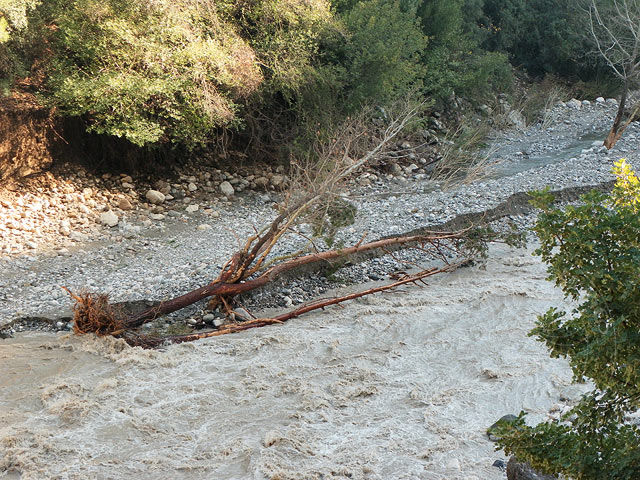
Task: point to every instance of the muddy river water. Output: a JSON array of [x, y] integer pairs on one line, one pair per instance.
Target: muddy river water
[[396, 386]]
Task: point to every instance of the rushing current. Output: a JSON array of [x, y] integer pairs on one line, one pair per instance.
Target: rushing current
[[401, 385]]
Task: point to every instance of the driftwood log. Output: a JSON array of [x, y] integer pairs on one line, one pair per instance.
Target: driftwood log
[[149, 342], [94, 314], [253, 266]]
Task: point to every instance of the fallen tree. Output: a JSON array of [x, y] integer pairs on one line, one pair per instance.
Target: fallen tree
[[254, 266], [94, 314]]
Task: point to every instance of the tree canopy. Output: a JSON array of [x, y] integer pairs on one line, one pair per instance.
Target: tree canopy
[[159, 72]]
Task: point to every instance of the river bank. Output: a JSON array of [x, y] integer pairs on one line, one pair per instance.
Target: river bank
[[185, 250], [402, 385]]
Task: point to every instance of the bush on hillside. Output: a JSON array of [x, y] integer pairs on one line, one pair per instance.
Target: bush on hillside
[[454, 60], [150, 71]]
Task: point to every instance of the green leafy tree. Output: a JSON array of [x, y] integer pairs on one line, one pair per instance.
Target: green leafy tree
[[158, 71], [454, 60], [381, 56], [593, 253], [543, 36], [150, 71]]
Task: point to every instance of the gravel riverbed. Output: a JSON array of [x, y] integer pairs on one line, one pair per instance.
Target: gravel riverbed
[[185, 249], [391, 386]]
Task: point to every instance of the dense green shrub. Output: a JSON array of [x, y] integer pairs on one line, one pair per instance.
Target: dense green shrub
[[14, 19], [593, 253], [542, 36], [285, 38], [158, 71], [163, 71], [380, 59], [454, 60], [14, 16], [148, 71]]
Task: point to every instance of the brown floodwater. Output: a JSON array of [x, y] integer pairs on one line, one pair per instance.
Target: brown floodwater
[[402, 386]]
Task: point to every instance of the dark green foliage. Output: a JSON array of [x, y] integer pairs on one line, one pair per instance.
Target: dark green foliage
[[542, 36], [17, 47], [333, 216], [454, 60], [593, 253], [158, 72], [162, 71], [380, 59]]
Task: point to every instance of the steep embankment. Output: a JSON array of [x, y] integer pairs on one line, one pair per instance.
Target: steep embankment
[[27, 137]]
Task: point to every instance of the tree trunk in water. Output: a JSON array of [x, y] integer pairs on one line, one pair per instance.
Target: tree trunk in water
[[150, 342], [221, 288]]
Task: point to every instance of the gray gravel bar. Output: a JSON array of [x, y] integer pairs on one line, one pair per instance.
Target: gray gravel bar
[[182, 252]]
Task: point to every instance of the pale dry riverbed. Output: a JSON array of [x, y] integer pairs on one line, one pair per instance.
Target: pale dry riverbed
[[402, 385]]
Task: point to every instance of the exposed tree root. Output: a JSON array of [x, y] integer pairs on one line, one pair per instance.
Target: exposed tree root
[[94, 314]]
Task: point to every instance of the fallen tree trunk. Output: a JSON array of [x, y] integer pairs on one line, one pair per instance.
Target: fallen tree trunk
[[115, 324], [252, 267], [94, 314], [152, 342], [223, 289]]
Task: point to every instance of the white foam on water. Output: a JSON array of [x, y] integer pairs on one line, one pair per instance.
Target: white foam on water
[[401, 385]]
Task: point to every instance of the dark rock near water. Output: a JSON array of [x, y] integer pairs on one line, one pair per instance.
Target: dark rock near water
[[523, 471], [503, 421], [500, 464]]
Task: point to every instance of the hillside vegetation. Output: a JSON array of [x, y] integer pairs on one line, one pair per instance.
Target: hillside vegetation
[[187, 73]]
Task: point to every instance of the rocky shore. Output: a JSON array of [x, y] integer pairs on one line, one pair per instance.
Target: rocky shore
[[392, 386], [140, 238]]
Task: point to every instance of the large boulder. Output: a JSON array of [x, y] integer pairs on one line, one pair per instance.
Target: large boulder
[[523, 471], [516, 119], [574, 104], [109, 219], [227, 189], [155, 197]]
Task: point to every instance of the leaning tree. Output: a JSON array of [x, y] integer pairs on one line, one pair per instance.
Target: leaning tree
[[615, 29]]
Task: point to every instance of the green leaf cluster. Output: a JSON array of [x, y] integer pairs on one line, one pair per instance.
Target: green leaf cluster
[[14, 16], [593, 254], [147, 71], [541, 36]]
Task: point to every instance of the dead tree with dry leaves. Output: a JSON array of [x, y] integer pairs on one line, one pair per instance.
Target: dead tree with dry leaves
[[615, 29], [316, 181]]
